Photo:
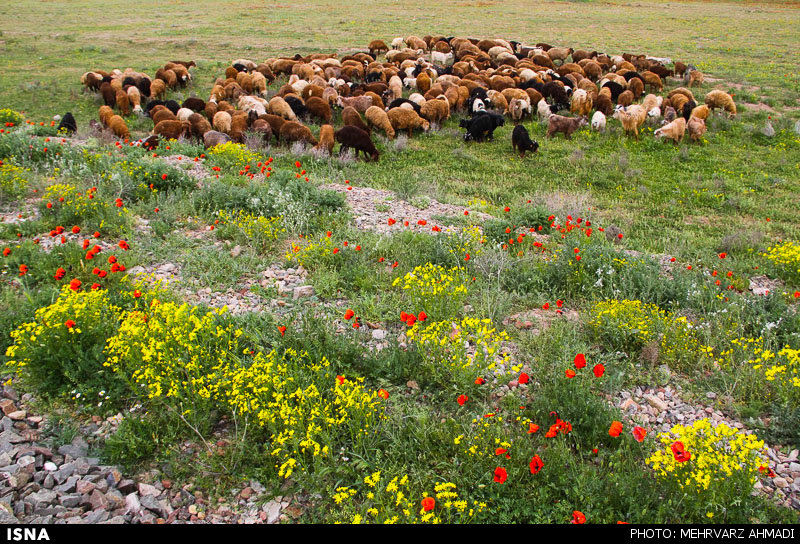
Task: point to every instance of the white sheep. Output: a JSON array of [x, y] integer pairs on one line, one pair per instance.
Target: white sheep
[[599, 121]]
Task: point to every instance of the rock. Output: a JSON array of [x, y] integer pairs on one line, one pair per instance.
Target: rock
[[628, 404], [84, 487], [8, 406], [656, 402], [273, 510], [303, 291], [50, 466], [41, 499], [152, 504], [379, 334], [18, 415], [780, 482], [148, 490], [132, 503], [70, 501]]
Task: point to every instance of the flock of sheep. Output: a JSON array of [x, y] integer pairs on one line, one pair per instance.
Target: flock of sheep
[[418, 85]]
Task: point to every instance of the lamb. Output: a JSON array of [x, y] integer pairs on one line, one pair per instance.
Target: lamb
[[599, 121], [565, 125], [222, 122], [581, 104], [353, 137], [398, 43], [720, 99], [436, 111], [118, 127], [696, 127], [521, 141], [351, 117], [326, 139], [378, 118], [292, 131], [135, 99], [213, 138], [67, 124], [172, 130], [482, 126], [123, 104], [403, 119], [279, 106], [673, 131]]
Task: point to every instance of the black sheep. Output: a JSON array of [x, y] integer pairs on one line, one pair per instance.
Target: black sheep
[[152, 104], [68, 124], [521, 141], [630, 75], [556, 93], [481, 126], [172, 106], [128, 82], [144, 86], [687, 109], [349, 136], [397, 102], [297, 106], [615, 88], [195, 104], [240, 67]]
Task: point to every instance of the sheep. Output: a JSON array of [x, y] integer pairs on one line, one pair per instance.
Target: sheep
[[213, 138], [199, 124], [632, 118], [263, 129], [172, 130], [670, 114], [135, 99], [378, 118], [398, 43], [599, 121], [544, 110], [359, 103], [652, 101], [123, 104], [581, 104], [680, 68], [518, 109], [351, 117], [721, 99], [275, 121], [482, 126], [158, 89], [565, 125], [636, 86], [326, 139], [521, 141], [673, 131], [67, 124], [239, 123], [222, 122], [292, 131], [557, 92], [403, 119], [625, 98], [105, 114], [701, 112], [253, 103], [417, 98], [436, 111], [678, 101], [353, 137], [118, 127], [695, 76], [498, 101], [159, 114], [681, 90], [653, 80], [442, 58], [377, 46], [696, 127], [559, 53], [604, 104], [279, 106], [319, 109], [183, 114]]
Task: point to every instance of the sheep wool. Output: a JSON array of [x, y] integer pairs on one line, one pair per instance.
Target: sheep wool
[[378, 118]]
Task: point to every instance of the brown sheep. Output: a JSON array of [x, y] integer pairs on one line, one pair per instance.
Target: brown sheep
[[238, 126], [319, 109], [135, 99], [403, 119], [701, 112], [631, 118], [108, 94], [696, 76], [377, 46], [119, 128], [351, 117], [222, 122], [721, 99], [378, 118], [105, 114], [279, 106], [263, 128], [565, 125], [326, 139], [652, 79], [158, 89], [604, 104], [163, 114], [292, 131], [275, 121], [359, 103], [200, 125], [636, 86], [625, 98], [696, 127], [172, 130], [672, 131]]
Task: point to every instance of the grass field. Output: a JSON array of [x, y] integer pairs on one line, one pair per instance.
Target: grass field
[[660, 297]]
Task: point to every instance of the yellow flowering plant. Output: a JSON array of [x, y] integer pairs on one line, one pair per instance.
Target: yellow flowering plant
[[437, 290], [709, 463], [785, 260], [13, 181], [253, 230], [61, 351]]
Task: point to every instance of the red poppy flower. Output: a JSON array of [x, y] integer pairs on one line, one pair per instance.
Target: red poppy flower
[[524, 378], [500, 475], [348, 315], [124, 245], [76, 229], [577, 516], [411, 319], [428, 504], [23, 269], [75, 284], [639, 433], [391, 221], [680, 453], [616, 429], [570, 373], [462, 399], [500, 451], [422, 316], [546, 306], [580, 360], [70, 324], [282, 330], [6, 252], [383, 393], [339, 380], [598, 370], [536, 464], [60, 273]]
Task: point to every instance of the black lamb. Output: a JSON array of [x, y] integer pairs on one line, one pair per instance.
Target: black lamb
[[521, 141], [68, 124]]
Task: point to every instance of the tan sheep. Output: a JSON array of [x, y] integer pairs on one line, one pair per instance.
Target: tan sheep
[[403, 119], [378, 118], [123, 104], [279, 106], [720, 99], [158, 89], [118, 127], [696, 127], [351, 117], [581, 103], [360, 103], [438, 110], [222, 122], [672, 131], [105, 114], [701, 112], [326, 140], [632, 119], [135, 99]]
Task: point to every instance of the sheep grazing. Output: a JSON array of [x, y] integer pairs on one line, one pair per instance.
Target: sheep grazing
[[183, 114], [701, 112], [213, 138], [377, 46], [326, 139], [599, 121], [123, 104], [632, 118], [160, 113], [319, 109], [565, 125], [158, 89], [403, 119], [482, 126], [222, 122], [119, 128], [625, 98], [195, 104], [378, 118], [292, 131], [172, 130], [720, 99], [360, 103], [694, 77], [673, 131], [263, 129], [351, 117], [239, 125], [436, 111], [353, 137], [521, 141], [559, 53], [670, 114], [696, 127], [518, 108], [200, 125], [279, 106], [105, 114], [67, 125], [581, 104], [604, 104]]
